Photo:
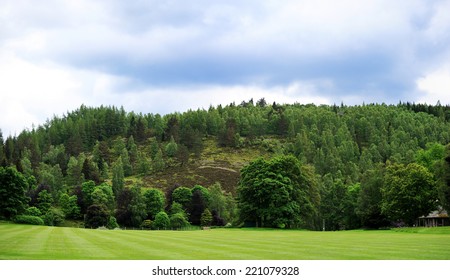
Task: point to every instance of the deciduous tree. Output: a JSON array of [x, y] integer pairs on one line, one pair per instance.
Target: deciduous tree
[[277, 193], [154, 201], [408, 192], [13, 187]]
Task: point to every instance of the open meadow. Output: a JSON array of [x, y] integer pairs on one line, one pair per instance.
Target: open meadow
[[24, 242]]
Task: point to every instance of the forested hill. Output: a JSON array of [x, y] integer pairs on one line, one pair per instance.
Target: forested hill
[[342, 145], [344, 140]]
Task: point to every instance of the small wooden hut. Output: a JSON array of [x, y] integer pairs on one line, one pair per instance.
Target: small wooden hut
[[437, 218]]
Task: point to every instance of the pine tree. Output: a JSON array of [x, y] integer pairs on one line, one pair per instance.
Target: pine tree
[[118, 180], [127, 168], [158, 163]]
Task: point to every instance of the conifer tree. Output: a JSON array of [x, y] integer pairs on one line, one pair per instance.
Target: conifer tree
[[118, 180]]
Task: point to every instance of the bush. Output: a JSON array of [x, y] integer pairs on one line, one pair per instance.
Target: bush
[[178, 220], [147, 224], [33, 211], [162, 221], [112, 223], [28, 219], [96, 216], [206, 219], [54, 217]]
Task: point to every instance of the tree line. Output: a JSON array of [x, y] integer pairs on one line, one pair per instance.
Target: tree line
[[348, 165]]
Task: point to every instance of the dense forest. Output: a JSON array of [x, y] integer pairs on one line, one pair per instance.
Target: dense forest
[[249, 164]]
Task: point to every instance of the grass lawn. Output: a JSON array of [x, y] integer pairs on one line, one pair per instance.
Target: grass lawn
[[26, 242]]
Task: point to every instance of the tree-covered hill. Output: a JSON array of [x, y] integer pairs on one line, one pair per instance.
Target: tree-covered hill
[[343, 144]]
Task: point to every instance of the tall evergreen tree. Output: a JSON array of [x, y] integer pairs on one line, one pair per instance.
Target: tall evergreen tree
[[158, 163], [2, 150], [118, 179], [443, 176]]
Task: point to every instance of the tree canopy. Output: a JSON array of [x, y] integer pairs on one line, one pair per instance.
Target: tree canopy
[[13, 187], [338, 166], [280, 192]]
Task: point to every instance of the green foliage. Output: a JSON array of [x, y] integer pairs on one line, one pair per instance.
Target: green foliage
[[171, 148], [137, 206], [177, 208], [178, 220], [53, 217], [103, 194], [154, 201], [87, 188], [13, 187], [278, 193], [118, 179], [131, 208], [183, 196], [28, 219], [74, 172], [408, 192], [132, 150], [429, 157], [204, 191], [147, 224], [198, 204], [26, 166], [443, 179], [342, 141], [90, 171], [217, 199], [126, 164], [143, 164], [162, 221], [112, 223], [206, 219], [158, 163], [370, 199], [33, 211], [45, 201], [338, 204], [69, 206], [51, 176], [96, 216]]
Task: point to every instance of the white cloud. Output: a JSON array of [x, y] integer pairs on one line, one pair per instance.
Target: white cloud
[[32, 93], [60, 54], [171, 99], [436, 86], [437, 31]]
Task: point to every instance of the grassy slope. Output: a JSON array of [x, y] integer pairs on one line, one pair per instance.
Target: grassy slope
[[39, 242], [215, 164]]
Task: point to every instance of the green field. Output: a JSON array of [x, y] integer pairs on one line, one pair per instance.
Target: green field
[[26, 242]]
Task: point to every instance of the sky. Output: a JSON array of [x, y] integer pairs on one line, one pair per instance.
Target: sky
[[170, 56]]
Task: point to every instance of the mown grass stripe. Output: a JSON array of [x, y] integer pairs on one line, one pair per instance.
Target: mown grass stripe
[[26, 243], [122, 248], [38, 242]]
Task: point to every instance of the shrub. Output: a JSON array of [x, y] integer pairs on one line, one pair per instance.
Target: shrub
[[28, 219], [206, 219], [112, 223], [178, 220], [54, 217], [96, 216], [33, 211], [162, 221], [147, 224]]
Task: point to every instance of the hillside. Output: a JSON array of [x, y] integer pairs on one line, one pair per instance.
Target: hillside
[[214, 164], [343, 145]]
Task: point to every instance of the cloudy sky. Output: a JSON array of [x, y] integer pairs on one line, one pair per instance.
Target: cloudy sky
[[165, 56]]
